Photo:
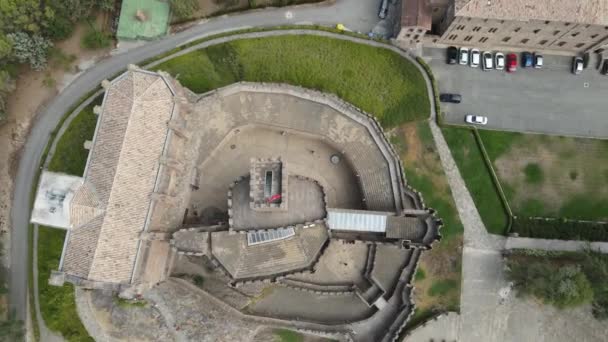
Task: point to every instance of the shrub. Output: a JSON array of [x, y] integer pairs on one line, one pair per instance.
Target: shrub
[[30, 49], [198, 280], [60, 28], [95, 39], [420, 274], [562, 286], [560, 229], [183, 9]]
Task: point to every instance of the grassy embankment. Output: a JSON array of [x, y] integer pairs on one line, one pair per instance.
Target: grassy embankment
[[437, 281]]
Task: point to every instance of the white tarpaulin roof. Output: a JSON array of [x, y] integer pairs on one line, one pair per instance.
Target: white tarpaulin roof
[[52, 203], [357, 220]]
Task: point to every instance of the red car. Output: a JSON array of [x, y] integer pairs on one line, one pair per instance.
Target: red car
[[511, 62]]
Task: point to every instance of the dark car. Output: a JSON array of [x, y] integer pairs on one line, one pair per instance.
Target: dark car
[[604, 69], [383, 9], [453, 98], [526, 60], [452, 55]]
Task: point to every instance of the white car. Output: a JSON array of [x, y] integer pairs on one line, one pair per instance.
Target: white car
[[463, 56], [475, 58], [500, 60], [476, 119], [488, 61]]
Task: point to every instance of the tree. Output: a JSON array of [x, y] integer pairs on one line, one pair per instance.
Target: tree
[[7, 85], [106, 5], [30, 49], [6, 46], [184, 8], [23, 15]]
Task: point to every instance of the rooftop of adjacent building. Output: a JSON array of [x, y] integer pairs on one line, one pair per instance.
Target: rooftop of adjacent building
[[594, 12]]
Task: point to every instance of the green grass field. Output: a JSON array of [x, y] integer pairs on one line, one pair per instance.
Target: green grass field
[[547, 176], [376, 80], [552, 176], [476, 176], [70, 155], [285, 335], [57, 304]]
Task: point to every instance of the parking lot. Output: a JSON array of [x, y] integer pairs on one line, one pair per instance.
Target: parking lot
[[550, 100]]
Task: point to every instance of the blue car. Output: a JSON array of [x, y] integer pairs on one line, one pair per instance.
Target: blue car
[[526, 60]]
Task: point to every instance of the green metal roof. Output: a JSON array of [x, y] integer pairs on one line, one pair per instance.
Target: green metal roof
[[156, 21]]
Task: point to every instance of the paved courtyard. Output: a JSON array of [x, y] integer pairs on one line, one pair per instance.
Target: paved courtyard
[[551, 100]]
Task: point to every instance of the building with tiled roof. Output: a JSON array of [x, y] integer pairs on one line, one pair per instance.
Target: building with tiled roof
[[111, 213], [574, 26]]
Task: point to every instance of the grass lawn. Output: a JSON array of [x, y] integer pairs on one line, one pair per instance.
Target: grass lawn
[[57, 304], [71, 156], [378, 81], [476, 176], [437, 280], [552, 176], [285, 335]]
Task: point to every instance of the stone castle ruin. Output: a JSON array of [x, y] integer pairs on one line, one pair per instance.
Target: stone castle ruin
[[256, 186]]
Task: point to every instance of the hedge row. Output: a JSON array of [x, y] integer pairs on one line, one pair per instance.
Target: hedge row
[[560, 229]]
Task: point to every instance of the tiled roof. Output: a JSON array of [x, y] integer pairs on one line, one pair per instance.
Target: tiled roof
[[111, 210], [416, 13], [576, 11]]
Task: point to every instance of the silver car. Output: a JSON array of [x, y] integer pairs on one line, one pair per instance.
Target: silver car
[[476, 119], [463, 56], [487, 61], [500, 60]]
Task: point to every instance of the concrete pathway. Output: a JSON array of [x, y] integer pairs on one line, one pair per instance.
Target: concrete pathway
[[555, 245]]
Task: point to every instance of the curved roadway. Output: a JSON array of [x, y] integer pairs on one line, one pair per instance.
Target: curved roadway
[[359, 15]]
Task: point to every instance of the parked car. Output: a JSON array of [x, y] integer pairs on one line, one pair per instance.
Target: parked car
[[452, 55], [538, 61], [475, 58], [383, 9], [453, 98], [604, 69], [577, 65], [500, 60], [488, 61], [526, 60], [511, 62], [463, 56], [476, 119]]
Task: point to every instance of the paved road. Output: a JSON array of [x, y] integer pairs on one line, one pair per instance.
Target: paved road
[[359, 15], [550, 100]]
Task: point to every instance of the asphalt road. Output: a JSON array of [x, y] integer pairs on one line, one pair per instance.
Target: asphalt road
[[550, 100], [358, 15]]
